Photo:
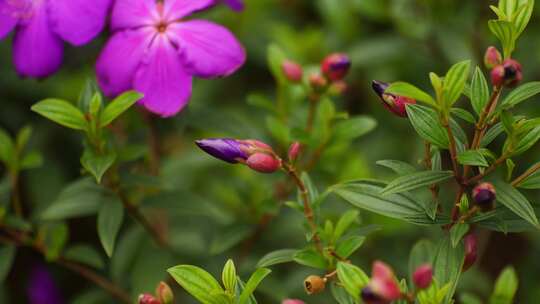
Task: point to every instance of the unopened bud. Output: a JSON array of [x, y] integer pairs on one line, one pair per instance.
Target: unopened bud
[[147, 298], [263, 163], [507, 74], [423, 276], [370, 297], [471, 251], [314, 284], [294, 150], [396, 104], [292, 70], [292, 301], [336, 66], [383, 282], [317, 82], [338, 88], [164, 293], [484, 196], [492, 57]]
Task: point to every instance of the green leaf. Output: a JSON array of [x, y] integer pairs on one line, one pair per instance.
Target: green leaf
[[55, 238], [473, 158], [254, 281], [349, 245], [80, 198], [347, 219], [532, 181], [61, 112], [7, 256], [491, 134], [454, 82], [505, 287], [401, 168], [23, 136], [523, 16], [86, 255], [521, 94], [525, 141], [422, 253], [311, 258], [516, 202], [408, 90], [354, 127], [504, 31], [118, 106], [366, 195], [97, 164], [196, 281], [109, 221], [278, 130], [31, 160], [427, 124], [228, 276], [277, 257], [457, 232], [463, 114], [341, 295], [479, 91], [447, 265], [352, 278], [7, 147], [416, 180], [275, 57]]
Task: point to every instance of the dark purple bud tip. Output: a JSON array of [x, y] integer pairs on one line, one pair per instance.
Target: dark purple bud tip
[[508, 74], [336, 66], [484, 196], [226, 149], [369, 296], [379, 87], [396, 104]]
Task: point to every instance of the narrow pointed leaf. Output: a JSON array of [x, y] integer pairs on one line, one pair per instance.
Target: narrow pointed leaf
[[408, 90], [196, 281], [479, 91], [61, 112], [254, 281], [516, 202], [416, 180]]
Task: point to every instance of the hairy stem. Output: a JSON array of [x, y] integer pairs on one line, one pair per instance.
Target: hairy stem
[[526, 174], [453, 149], [488, 170]]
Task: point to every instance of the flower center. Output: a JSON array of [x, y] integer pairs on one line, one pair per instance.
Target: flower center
[[162, 26]]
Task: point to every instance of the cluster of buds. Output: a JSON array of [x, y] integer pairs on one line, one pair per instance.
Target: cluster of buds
[[253, 153], [383, 287], [164, 295], [471, 251], [484, 196], [314, 284], [396, 104], [503, 73]]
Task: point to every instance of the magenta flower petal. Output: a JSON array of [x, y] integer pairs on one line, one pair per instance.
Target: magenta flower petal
[[37, 51], [133, 14], [162, 79], [176, 9], [236, 5], [78, 21], [207, 49], [41, 287], [119, 60], [8, 18]]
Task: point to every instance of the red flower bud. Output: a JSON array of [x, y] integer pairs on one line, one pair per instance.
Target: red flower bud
[[147, 298], [336, 66], [292, 301], [492, 57], [294, 150], [292, 70], [471, 251], [314, 284], [317, 82], [507, 74], [384, 283], [423, 276], [164, 293], [396, 104], [263, 163], [484, 196]]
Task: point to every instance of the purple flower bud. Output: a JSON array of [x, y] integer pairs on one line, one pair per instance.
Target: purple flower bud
[[294, 150], [336, 66], [396, 104], [492, 57], [263, 163], [42, 289], [292, 301], [292, 70], [423, 276], [507, 74], [484, 196], [471, 251], [147, 298], [226, 149], [370, 297], [164, 293]]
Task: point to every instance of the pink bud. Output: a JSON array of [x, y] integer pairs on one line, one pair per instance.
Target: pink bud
[[507, 74], [294, 150], [383, 282], [336, 66], [292, 70], [317, 82], [147, 298], [292, 301], [423, 276], [492, 57], [164, 293], [396, 104], [471, 251], [263, 163]]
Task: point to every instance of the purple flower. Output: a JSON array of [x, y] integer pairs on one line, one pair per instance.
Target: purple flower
[[41, 287], [156, 51], [41, 26], [236, 5]]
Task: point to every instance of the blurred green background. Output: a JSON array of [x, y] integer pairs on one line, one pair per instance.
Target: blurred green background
[[210, 208]]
